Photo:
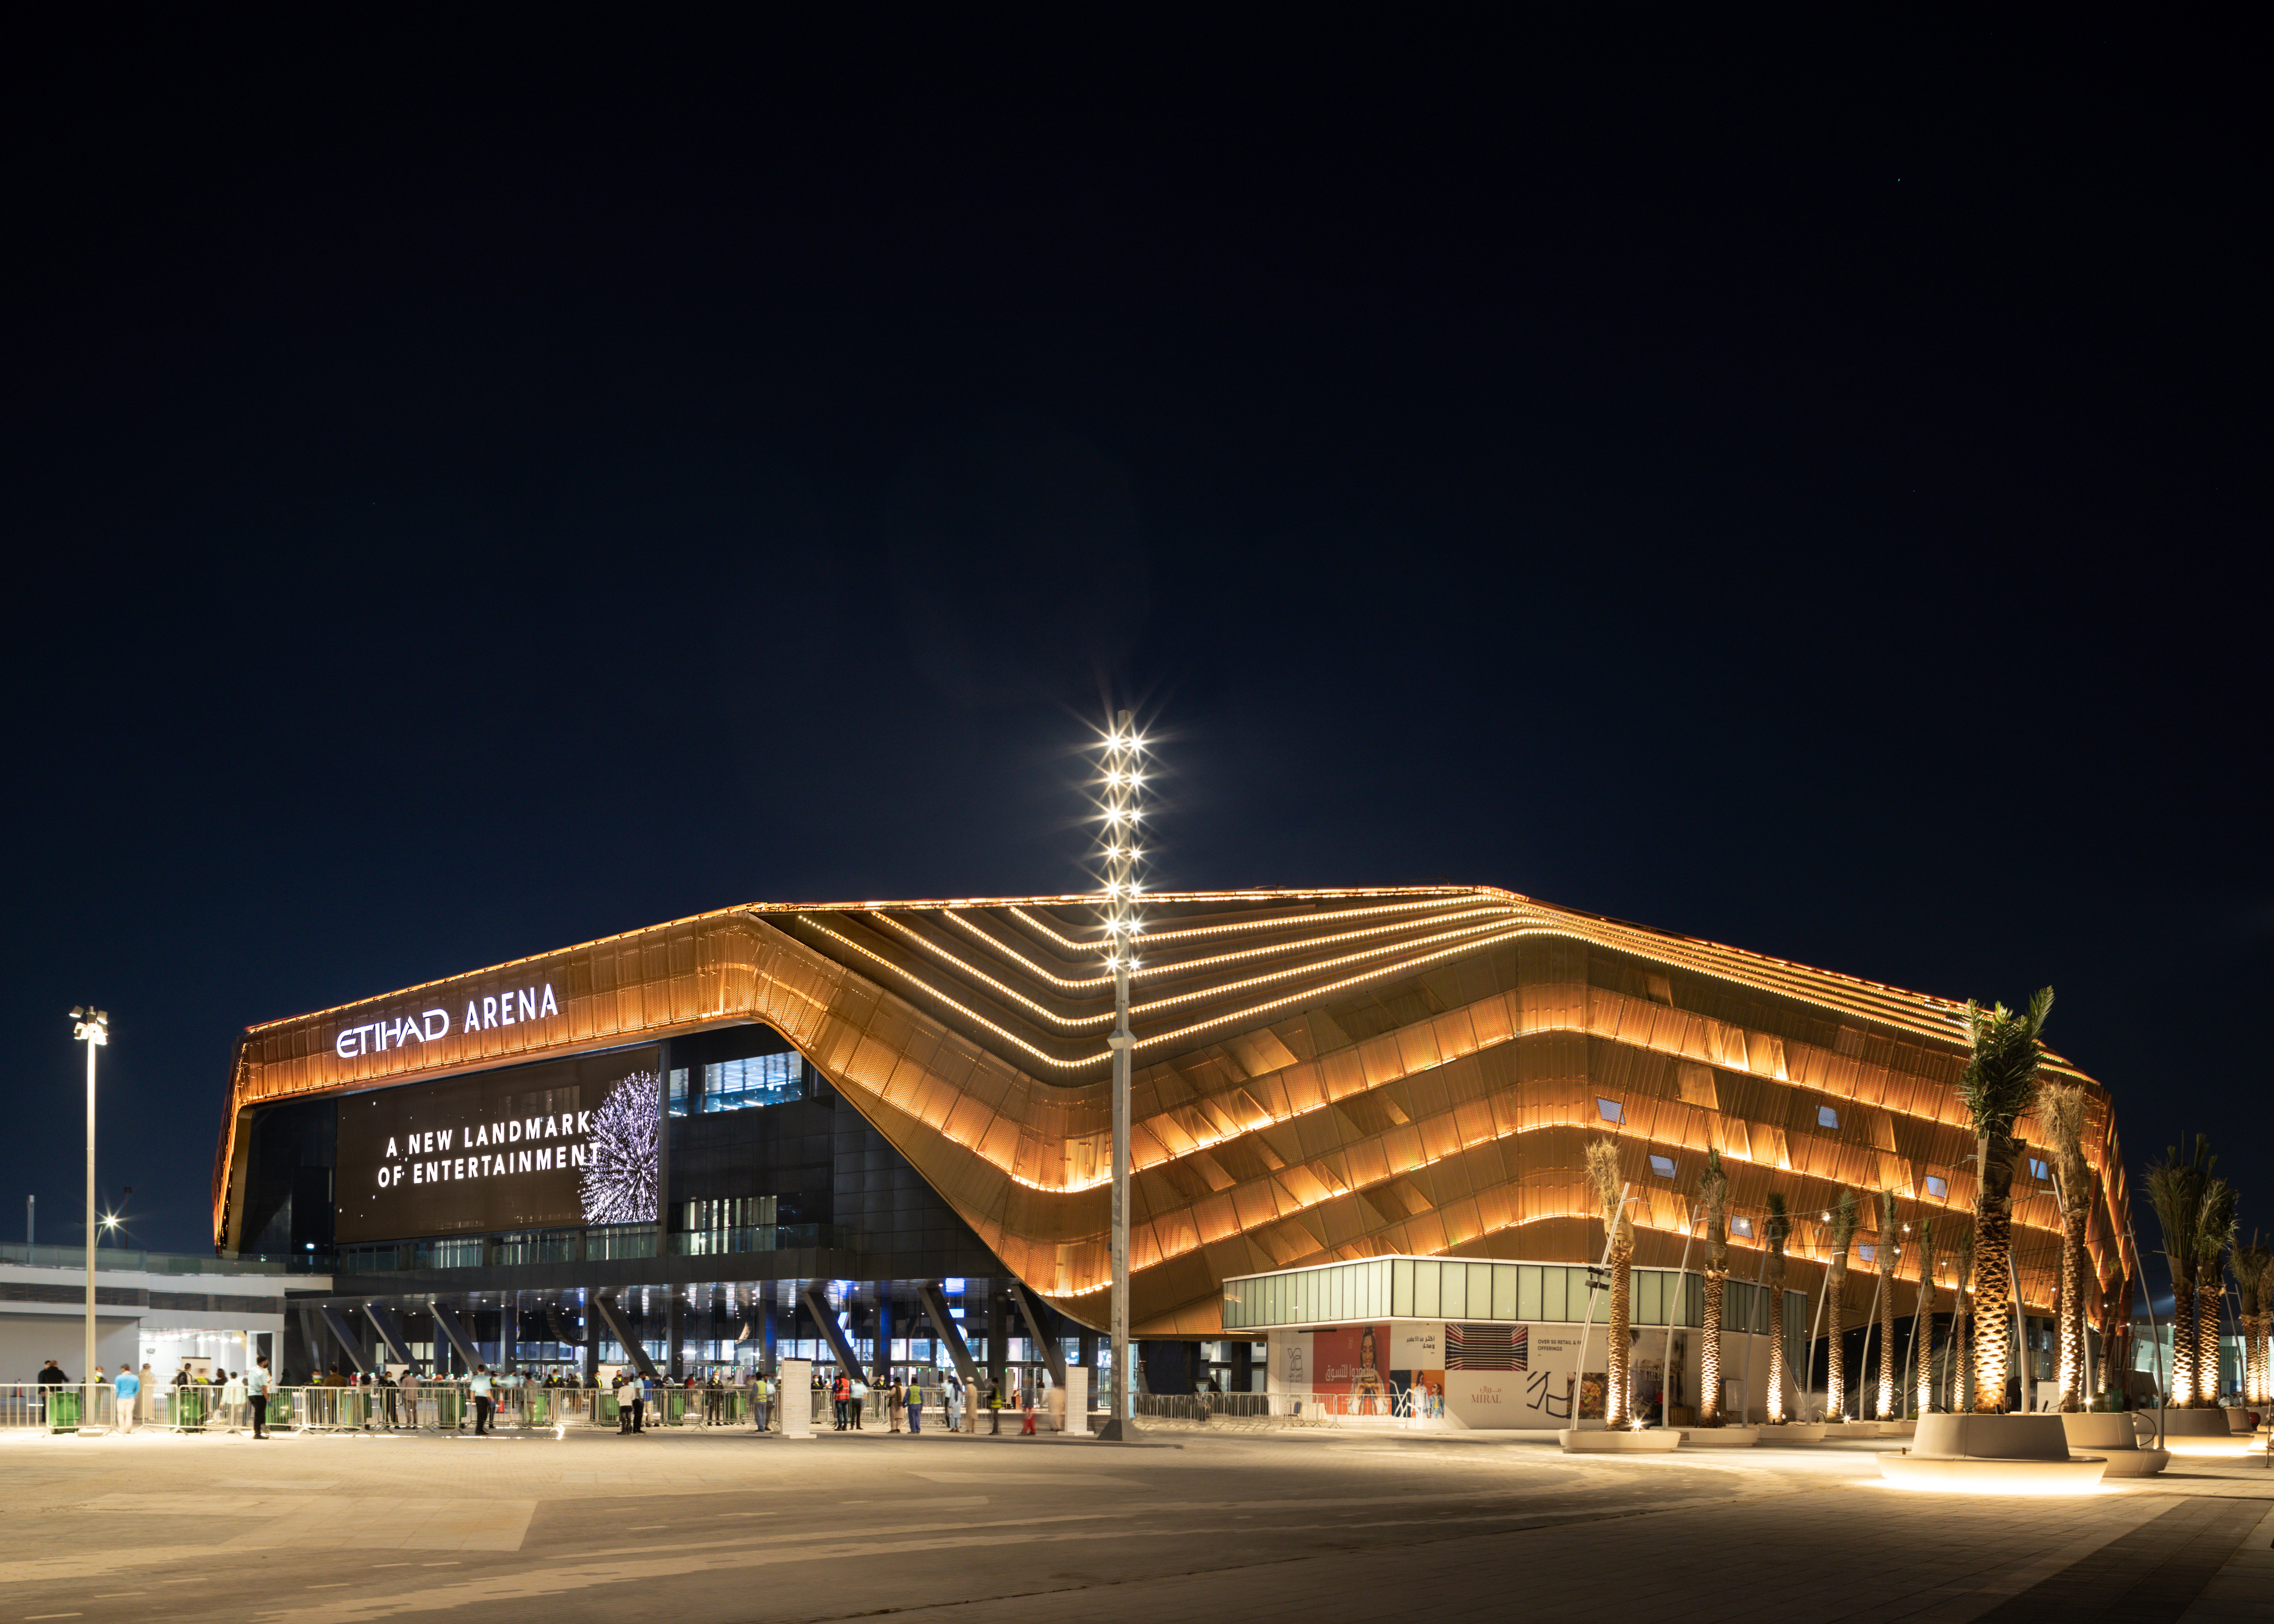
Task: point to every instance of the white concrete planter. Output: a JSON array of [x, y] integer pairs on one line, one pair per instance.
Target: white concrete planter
[[1721, 1437], [2115, 1436], [2194, 1423], [2197, 1434], [1794, 1432], [1651, 1440], [1995, 1455]]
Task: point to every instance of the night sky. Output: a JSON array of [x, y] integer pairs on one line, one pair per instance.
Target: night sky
[[465, 497]]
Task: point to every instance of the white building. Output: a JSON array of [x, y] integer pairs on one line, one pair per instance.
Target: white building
[[151, 1308]]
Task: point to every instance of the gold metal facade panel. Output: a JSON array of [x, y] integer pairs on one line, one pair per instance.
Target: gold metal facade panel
[[1440, 1102]]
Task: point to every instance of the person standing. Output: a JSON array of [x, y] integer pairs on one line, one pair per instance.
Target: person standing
[[410, 1386], [856, 1402], [915, 1407], [1027, 1408], [121, 1397], [257, 1384], [483, 1405], [635, 1389], [892, 1401], [761, 1401], [954, 1404]]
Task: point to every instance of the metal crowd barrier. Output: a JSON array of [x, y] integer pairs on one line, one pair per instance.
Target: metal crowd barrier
[[434, 1406]]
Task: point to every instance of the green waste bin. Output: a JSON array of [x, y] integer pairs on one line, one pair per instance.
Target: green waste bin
[[63, 1410]]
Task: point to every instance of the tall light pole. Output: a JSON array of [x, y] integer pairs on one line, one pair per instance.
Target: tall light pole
[[1124, 777], [93, 1028]]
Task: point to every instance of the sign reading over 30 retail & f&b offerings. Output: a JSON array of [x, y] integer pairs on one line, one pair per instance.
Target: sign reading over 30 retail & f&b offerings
[[505, 1009], [560, 1142]]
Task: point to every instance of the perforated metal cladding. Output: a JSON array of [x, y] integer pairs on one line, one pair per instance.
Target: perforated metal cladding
[[1321, 1075]]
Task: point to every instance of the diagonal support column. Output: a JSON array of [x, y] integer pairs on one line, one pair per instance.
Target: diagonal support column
[[934, 1307], [560, 1327], [390, 1333], [447, 1320], [1030, 1312], [606, 1310], [346, 1338], [817, 1306]]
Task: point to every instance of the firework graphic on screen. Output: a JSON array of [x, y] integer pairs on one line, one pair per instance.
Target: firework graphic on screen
[[622, 1158]]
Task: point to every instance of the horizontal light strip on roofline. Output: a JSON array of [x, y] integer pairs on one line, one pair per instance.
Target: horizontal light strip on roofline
[[1321, 992], [762, 909], [1071, 1022], [1230, 988], [1435, 897], [1083, 1022], [1166, 1037], [1185, 966], [1886, 1004]]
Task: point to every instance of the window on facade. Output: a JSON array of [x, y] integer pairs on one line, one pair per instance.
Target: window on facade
[[1610, 1110], [1663, 1166], [1741, 1226], [1938, 1186], [761, 1080], [1868, 1253], [1827, 1118], [2037, 1170]]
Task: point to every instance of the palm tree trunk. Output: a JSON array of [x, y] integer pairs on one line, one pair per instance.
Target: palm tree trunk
[[1774, 1406], [1993, 1239], [1709, 1352], [1835, 1370], [1889, 1410], [1616, 1361], [1961, 1354], [2183, 1344], [2071, 1305], [1923, 1339], [2207, 1349]]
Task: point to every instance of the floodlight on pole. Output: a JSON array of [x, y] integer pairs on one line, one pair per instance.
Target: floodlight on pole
[[92, 1028], [1121, 925]]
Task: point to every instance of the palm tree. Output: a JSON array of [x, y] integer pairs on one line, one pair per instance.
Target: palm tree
[[1923, 1323], [1713, 1187], [1888, 1246], [2214, 1234], [2175, 1192], [1778, 1227], [1999, 1081], [2254, 1274], [1961, 1339], [1610, 1194], [1835, 1281], [2061, 1125]]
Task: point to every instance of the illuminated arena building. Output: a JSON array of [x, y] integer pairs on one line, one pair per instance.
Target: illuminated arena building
[[878, 1126]]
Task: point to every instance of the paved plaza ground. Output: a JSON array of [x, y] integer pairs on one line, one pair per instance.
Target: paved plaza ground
[[1319, 1527]]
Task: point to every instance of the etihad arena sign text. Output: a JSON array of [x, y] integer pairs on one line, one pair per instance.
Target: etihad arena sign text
[[507, 1008]]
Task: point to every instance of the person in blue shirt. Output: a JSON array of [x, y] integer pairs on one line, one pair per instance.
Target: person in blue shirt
[[257, 1384], [482, 1404], [122, 1393]]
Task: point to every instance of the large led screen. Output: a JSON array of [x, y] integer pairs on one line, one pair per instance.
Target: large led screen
[[563, 1142]]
